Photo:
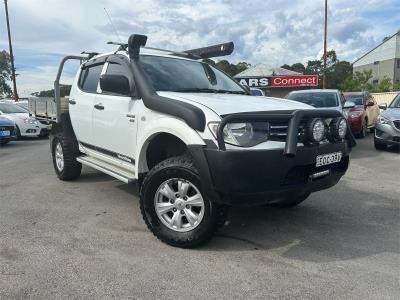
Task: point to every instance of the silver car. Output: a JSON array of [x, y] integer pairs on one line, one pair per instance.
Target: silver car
[[387, 128]]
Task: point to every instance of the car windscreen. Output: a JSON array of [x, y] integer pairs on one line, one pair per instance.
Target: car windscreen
[[181, 75], [7, 108], [316, 99], [357, 99], [396, 102]]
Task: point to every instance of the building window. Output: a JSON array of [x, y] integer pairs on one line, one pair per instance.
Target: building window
[[398, 63], [375, 81], [376, 62]]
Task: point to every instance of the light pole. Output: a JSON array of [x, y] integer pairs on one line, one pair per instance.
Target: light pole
[[324, 81], [13, 77]]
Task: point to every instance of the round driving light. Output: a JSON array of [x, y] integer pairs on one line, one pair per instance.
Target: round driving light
[[315, 130], [338, 128]]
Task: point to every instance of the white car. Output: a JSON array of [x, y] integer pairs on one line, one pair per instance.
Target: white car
[[319, 98], [193, 138], [26, 126]]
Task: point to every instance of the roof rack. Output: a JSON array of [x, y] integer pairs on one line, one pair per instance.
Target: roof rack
[[137, 41], [89, 54]]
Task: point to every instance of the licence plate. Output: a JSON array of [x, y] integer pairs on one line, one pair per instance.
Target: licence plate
[[327, 159], [5, 133]]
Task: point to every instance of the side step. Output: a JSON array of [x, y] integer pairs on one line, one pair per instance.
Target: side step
[[113, 171]]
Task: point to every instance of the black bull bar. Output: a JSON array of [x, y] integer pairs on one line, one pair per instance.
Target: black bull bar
[[294, 118]]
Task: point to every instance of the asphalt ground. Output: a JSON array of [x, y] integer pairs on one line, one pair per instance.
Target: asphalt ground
[[87, 239]]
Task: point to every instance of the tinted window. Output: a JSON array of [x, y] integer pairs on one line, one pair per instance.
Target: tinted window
[[90, 78], [316, 99], [117, 69], [180, 75], [357, 99], [256, 92]]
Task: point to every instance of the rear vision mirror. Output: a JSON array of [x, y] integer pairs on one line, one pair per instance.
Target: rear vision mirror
[[349, 104], [115, 84]]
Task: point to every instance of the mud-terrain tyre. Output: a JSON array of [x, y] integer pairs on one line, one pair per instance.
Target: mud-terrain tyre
[[290, 202], [64, 159], [175, 208]]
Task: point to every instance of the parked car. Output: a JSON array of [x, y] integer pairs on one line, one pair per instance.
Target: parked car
[[319, 98], [26, 126], [7, 130], [387, 127], [364, 114], [194, 146]]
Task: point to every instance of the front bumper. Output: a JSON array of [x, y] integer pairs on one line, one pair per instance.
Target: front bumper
[[387, 133], [253, 177], [263, 176]]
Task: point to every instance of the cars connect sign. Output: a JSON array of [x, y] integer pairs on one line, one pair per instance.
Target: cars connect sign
[[279, 81]]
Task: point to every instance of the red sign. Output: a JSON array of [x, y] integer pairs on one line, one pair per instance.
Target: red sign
[[296, 80]]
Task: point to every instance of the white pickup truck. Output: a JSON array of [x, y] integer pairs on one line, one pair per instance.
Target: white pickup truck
[[194, 139]]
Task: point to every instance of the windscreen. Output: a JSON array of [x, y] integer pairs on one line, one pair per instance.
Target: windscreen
[[396, 102], [316, 99], [357, 99], [11, 108], [180, 75]]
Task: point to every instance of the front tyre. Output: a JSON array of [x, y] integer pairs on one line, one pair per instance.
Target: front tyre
[[174, 206], [64, 160], [379, 145]]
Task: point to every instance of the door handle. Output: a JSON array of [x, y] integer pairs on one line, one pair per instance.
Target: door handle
[[72, 101], [99, 106]]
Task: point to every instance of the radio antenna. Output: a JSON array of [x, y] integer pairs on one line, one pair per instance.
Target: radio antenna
[[112, 24]]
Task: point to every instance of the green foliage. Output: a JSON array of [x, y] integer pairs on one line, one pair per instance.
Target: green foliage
[[384, 85], [357, 82], [64, 91], [227, 67], [297, 67], [5, 74]]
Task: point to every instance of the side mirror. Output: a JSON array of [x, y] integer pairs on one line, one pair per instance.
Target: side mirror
[[349, 104], [115, 84], [383, 106], [370, 103]]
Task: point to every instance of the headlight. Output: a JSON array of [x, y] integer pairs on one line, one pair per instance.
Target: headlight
[[30, 121], [338, 129], [315, 130], [242, 134], [355, 114], [383, 120]]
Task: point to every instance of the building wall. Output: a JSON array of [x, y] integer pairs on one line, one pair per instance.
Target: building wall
[[380, 69]]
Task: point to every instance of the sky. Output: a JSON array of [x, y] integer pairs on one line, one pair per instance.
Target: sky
[[264, 31]]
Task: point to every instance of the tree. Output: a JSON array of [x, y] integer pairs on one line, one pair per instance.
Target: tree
[[5, 74], [338, 73], [297, 67], [384, 85], [232, 69], [357, 82]]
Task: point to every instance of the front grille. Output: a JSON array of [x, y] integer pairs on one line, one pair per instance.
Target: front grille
[[278, 131], [397, 124]]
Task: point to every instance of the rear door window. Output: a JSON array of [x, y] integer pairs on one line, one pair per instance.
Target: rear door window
[[89, 78]]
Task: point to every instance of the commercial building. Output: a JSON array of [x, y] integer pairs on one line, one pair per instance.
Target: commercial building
[[275, 81], [383, 60]]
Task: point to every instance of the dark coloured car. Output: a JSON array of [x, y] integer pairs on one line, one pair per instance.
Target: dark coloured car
[[387, 128], [7, 130], [364, 114]]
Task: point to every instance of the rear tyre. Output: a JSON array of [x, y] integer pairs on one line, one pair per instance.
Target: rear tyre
[[64, 159], [174, 206], [379, 145], [290, 202], [18, 132]]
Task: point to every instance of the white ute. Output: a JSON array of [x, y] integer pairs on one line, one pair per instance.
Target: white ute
[[194, 139]]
